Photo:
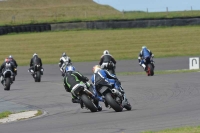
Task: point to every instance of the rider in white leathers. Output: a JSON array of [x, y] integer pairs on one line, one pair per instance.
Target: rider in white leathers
[[64, 61]]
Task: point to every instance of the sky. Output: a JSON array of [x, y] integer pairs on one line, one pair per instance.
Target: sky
[[152, 5]]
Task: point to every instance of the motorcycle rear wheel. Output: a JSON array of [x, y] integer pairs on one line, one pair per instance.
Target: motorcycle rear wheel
[[150, 70], [113, 103], [88, 103]]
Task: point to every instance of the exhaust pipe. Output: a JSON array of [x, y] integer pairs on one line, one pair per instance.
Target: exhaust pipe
[[114, 91], [89, 93]]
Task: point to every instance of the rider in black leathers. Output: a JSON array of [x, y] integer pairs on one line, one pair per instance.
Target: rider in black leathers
[[7, 65], [35, 60], [12, 60], [105, 59]]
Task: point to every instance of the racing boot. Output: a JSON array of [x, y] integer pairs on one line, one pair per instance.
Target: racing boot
[[144, 67], [75, 99], [105, 102], [99, 108], [2, 80], [96, 102], [41, 71]]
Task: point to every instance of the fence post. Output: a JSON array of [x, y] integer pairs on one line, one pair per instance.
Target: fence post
[[147, 10]]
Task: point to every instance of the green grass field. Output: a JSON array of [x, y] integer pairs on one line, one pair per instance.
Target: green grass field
[[158, 72], [15, 12], [88, 45], [178, 130]]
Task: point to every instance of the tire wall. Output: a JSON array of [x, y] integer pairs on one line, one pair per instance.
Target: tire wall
[[24, 28], [126, 24], [68, 26], [100, 25]]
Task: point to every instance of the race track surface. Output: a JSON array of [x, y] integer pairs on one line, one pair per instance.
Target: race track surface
[[158, 102]]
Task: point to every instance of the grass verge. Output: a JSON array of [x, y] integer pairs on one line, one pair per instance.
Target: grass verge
[[38, 113], [88, 45], [178, 130], [4, 114], [15, 12], [159, 72]]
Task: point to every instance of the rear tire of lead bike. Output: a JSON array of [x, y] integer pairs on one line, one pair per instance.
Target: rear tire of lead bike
[[7, 84], [113, 103], [38, 76], [88, 103], [151, 70]]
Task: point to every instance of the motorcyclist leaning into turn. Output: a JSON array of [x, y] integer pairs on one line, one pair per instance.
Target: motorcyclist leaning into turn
[[105, 59], [64, 61], [143, 55], [35, 60], [12, 60], [7, 65], [74, 78], [101, 75]]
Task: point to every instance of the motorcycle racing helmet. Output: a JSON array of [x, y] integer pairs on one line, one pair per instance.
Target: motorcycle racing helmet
[[96, 68], [10, 57], [64, 54], [105, 52], [143, 47], [34, 54], [70, 68]]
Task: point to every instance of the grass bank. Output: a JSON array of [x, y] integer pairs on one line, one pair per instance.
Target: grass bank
[[178, 130], [88, 45], [15, 12], [158, 72]]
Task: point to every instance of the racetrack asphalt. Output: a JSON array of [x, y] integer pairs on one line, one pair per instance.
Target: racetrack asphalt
[[158, 102]]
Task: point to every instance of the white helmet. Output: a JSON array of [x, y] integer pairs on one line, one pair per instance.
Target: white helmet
[[10, 57], [144, 47], [34, 54], [105, 52]]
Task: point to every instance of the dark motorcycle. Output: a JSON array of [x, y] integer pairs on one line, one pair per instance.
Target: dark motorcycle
[[110, 67], [8, 79], [149, 66], [86, 97], [37, 72], [113, 97]]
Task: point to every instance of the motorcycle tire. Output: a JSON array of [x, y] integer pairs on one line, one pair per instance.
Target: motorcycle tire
[[88, 103], [38, 76], [7, 84], [113, 103], [150, 71]]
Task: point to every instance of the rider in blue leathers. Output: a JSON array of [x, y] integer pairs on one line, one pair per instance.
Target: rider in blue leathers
[[111, 79], [104, 74], [144, 54]]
